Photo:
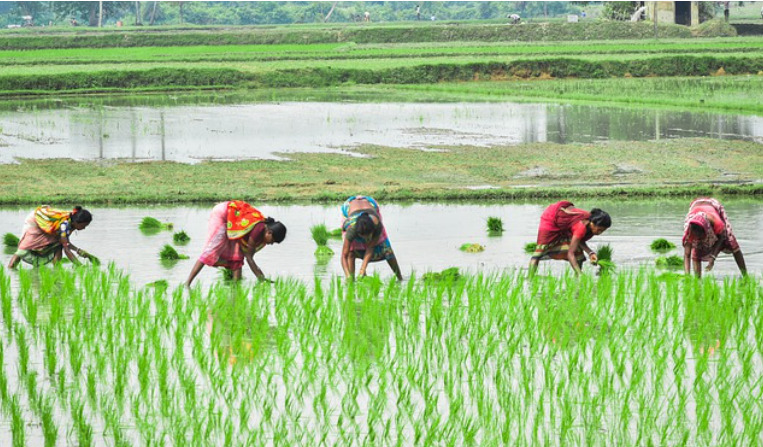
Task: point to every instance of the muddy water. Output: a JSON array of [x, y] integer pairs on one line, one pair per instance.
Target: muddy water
[[425, 237], [189, 133]]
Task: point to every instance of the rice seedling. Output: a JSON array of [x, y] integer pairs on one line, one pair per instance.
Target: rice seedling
[[662, 245], [321, 236], [449, 274], [530, 247], [336, 233], [10, 240], [168, 253], [472, 248], [669, 262], [181, 238], [150, 225], [494, 225]]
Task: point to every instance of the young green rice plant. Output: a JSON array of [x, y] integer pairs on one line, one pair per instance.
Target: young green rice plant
[[669, 262], [336, 233], [662, 245], [448, 275], [168, 253], [321, 236], [472, 248], [530, 247], [604, 255], [150, 225], [181, 238], [494, 226], [10, 240]]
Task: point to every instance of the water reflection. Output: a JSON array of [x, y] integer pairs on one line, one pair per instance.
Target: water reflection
[[190, 133]]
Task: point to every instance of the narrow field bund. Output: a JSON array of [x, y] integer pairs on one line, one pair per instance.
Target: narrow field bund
[[623, 359], [295, 34], [131, 79]]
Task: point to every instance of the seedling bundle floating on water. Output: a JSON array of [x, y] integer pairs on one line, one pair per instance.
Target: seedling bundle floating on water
[[150, 225], [662, 245], [669, 262], [181, 238], [321, 237], [472, 248], [494, 226], [168, 253], [449, 274]]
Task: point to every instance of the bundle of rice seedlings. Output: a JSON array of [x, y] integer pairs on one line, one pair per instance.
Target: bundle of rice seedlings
[[472, 248], [530, 247], [10, 240], [494, 225], [662, 245], [336, 233], [320, 234], [149, 224], [168, 253], [604, 253], [449, 274], [669, 262], [181, 238]]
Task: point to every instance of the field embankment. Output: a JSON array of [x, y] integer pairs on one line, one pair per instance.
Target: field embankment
[[45, 64], [657, 168]]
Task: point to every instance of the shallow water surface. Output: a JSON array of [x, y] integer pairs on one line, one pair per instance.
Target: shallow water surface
[[190, 133], [425, 237]]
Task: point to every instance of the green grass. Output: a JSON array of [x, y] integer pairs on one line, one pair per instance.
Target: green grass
[[669, 167]]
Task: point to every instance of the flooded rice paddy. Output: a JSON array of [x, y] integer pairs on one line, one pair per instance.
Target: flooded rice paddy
[[425, 237], [186, 132], [92, 357]]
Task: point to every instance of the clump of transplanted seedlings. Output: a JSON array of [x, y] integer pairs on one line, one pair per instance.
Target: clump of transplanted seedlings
[[669, 262], [168, 253], [494, 226], [150, 225], [321, 237], [181, 238], [662, 245], [10, 240], [472, 248], [530, 247]]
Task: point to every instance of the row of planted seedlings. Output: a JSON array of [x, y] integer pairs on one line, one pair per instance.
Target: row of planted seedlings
[[629, 358]]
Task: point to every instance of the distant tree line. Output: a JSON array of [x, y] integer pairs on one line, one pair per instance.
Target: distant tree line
[[150, 13]]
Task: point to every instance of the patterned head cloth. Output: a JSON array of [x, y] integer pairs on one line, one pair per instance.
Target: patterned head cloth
[[242, 217]]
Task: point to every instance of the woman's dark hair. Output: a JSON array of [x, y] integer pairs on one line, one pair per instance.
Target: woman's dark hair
[[277, 228], [364, 224], [80, 215], [697, 229], [600, 218]]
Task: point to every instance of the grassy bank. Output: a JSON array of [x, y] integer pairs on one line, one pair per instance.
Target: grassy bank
[[219, 58], [333, 33], [657, 168]]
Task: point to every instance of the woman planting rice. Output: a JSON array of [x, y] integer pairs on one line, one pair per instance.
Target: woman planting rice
[[707, 232], [365, 236], [46, 236], [236, 232], [563, 233]]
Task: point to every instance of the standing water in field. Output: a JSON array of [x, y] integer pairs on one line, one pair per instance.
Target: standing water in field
[[426, 237], [189, 133]]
